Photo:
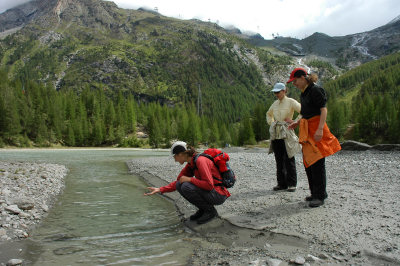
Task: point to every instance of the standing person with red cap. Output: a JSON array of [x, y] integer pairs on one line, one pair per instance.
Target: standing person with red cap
[[314, 135], [196, 183], [284, 142]]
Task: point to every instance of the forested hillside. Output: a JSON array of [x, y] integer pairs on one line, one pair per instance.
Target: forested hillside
[[92, 74], [368, 99], [33, 114]]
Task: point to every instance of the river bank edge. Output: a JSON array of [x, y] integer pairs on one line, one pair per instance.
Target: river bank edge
[[27, 192]]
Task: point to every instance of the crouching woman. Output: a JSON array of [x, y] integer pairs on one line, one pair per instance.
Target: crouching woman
[[197, 183]]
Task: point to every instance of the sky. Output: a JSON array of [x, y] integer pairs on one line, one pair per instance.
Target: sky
[[288, 18]]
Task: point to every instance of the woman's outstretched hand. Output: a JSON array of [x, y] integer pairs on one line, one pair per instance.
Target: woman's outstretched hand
[[153, 190]]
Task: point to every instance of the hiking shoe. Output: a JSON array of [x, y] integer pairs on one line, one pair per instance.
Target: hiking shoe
[[278, 188], [308, 198], [316, 203], [291, 189], [207, 216], [197, 215]]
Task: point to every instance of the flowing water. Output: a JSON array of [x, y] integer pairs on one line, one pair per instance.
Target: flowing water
[[102, 217]]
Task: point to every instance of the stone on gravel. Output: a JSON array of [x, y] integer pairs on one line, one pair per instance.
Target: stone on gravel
[[311, 258], [13, 209], [274, 262], [13, 262], [299, 260], [25, 205]]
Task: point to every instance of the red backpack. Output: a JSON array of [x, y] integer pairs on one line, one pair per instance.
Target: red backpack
[[220, 159]]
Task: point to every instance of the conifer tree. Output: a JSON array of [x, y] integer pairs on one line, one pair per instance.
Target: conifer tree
[[336, 117], [214, 137], [194, 129], [246, 134], [70, 138], [155, 135], [260, 123]]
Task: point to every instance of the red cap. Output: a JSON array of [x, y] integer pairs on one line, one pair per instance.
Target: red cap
[[298, 71]]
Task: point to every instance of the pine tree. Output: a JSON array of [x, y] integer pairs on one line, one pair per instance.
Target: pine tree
[[155, 136], [246, 134], [70, 138], [225, 136], [214, 137], [260, 123], [336, 117], [193, 130]]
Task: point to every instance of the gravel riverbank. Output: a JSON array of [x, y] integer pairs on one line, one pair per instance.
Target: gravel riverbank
[[359, 223], [27, 191]]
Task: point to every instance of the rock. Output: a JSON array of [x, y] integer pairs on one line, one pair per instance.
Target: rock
[[13, 209], [273, 262], [3, 232], [324, 256], [26, 205], [45, 208], [338, 258], [311, 258], [352, 145], [24, 215], [298, 260], [14, 262], [6, 192]]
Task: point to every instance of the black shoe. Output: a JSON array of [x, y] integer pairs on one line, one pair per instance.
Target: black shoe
[[207, 216], [291, 189], [309, 198], [278, 188], [316, 203], [197, 215]]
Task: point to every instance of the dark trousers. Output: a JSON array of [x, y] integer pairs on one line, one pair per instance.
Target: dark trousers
[[316, 175], [200, 198], [286, 174]]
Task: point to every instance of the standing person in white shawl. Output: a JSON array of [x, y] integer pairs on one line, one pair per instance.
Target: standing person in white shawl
[[284, 142]]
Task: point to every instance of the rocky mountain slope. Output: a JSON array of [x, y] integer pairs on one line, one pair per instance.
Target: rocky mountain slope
[[346, 51]]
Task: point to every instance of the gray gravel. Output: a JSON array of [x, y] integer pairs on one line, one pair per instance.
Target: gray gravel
[[359, 223], [27, 191]]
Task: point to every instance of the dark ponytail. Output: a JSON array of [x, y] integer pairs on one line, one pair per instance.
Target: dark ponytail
[[190, 152]]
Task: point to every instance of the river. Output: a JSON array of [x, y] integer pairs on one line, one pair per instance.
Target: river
[[102, 217]]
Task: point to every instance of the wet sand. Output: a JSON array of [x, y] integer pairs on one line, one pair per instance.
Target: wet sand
[[358, 225]]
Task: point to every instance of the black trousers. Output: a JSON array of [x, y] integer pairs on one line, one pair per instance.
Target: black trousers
[[200, 198], [286, 174], [316, 175]]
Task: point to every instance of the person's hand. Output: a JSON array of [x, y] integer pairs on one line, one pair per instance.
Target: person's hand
[[293, 125], [184, 179], [318, 135], [288, 120], [153, 190]]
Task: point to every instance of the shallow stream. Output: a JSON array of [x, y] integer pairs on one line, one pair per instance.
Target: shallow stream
[[102, 217]]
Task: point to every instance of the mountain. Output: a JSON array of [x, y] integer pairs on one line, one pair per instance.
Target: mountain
[[77, 44], [347, 51]]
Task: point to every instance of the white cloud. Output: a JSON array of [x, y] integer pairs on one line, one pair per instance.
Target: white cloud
[[7, 4]]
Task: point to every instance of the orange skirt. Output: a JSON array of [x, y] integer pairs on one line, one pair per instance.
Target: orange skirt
[[313, 151]]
